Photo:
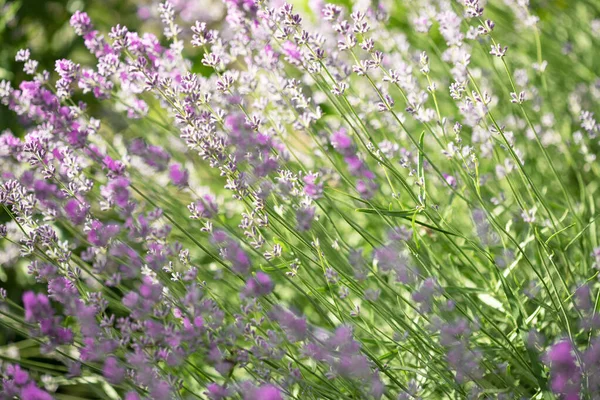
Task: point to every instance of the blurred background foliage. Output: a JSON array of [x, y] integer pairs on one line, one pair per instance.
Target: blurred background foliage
[[43, 27]]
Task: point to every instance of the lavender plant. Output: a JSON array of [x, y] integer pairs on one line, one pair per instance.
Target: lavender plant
[[394, 199]]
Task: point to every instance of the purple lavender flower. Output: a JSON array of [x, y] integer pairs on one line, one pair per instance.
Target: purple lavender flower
[[206, 207], [305, 216], [179, 176], [76, 210], [81, 22], [565, 373], [100, 234], [216, 392], [32, 392], [20, 376], [112, 371], [313, 188], [296, 328], [265, 392], [37, 306], [117, 191], [260, 285], [365, 185]]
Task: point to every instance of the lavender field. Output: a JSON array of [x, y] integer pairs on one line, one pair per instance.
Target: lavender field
[[261, 200]]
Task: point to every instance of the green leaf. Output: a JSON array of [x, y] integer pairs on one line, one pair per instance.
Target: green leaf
[[421, 173], [581, 232], [406, 214], [389, 213]]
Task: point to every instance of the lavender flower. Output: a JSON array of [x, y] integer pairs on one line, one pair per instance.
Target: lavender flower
[[566, 375]]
